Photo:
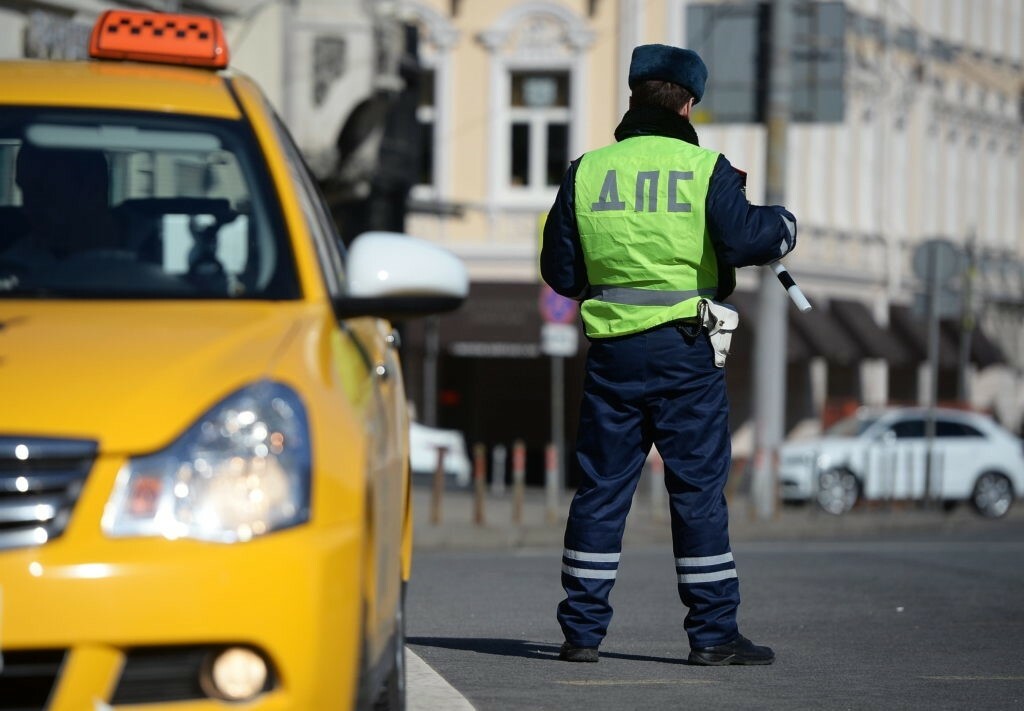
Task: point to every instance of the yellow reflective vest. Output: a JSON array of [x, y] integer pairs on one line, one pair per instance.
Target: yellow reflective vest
[[640, 212]]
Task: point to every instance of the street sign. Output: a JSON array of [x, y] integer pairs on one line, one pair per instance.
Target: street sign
[[559, 339], [555, 308], [940, 255], [947, 304]]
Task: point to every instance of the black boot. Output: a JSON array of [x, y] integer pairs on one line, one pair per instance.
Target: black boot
[[740, 651], [569, 653]]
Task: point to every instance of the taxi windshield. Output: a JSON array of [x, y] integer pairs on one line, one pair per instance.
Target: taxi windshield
[[134, 205]]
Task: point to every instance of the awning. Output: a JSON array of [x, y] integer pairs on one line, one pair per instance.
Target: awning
[[875, 341], [797, 349], [497, 320], [913, 331], [827, 337], [983, 351]]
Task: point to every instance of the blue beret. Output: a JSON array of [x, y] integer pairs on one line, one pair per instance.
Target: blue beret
[[673, 64]]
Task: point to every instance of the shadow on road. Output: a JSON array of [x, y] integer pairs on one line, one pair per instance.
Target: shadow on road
[[520, 648]]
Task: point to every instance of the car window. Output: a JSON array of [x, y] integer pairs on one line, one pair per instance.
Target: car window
[[98, 204], [908, 429], [949, 428]]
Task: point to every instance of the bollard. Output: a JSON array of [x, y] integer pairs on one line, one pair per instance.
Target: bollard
[[438, 490], [518, 479], [498, 458], [656, 483], [479, 482], [551, 482]]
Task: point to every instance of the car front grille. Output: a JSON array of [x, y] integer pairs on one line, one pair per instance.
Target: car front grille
[[40, 480], [149, 675], [161, 675], [27, 678]]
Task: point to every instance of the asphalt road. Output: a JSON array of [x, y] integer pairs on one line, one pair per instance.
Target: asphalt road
[[914, 621]]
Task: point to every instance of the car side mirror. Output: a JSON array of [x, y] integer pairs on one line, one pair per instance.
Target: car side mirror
[[394, 276]]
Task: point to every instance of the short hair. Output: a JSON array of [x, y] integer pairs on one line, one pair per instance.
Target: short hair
[[660, 94]]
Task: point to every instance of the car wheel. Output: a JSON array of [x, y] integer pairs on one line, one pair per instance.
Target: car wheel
[[392, 694], [838, 490], [992, 495]]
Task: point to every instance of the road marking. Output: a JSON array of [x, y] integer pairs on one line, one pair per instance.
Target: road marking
[[829, 547], [974, 678], [426, 690], [638, 682]]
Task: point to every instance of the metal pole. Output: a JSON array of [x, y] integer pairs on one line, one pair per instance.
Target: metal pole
[[479, 483], [966, 326], [551, 483], [499, 457], [933, 369], [770, 335], [437, 492], [518, 480], [432, 346], [555, 476]]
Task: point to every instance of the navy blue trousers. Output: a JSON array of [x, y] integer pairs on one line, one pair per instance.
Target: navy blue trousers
[[658, 387]]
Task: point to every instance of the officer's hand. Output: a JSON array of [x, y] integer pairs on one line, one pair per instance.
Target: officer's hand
[[788, 242]]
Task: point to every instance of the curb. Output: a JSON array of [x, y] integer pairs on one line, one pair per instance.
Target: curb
[[457, 530]]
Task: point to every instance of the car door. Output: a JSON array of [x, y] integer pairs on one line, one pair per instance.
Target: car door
[[960, 446], [954, 452], [908, 447]]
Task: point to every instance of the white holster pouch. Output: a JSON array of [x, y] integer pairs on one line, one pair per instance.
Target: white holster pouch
[[720, 320]]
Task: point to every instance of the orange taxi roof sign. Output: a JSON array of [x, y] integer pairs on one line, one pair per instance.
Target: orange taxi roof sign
[[160, 37]]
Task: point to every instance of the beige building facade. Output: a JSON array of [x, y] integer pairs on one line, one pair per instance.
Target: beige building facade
[[928, 147]]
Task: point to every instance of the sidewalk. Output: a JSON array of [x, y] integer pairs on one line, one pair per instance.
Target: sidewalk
[[457, 530]]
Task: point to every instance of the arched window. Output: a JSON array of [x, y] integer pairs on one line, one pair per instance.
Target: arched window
[[537, 100]]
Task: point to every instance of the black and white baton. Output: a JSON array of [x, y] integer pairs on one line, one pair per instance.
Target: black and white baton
[[788, 284], [792, 289]]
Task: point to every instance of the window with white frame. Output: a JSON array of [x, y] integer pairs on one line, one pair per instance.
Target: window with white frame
[[538, 118], [537, 99]]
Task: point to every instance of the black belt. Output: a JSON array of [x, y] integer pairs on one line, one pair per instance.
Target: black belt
[[689, 327]]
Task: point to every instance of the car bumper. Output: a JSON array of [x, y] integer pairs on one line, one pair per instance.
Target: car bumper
[[294, 596], [795, 484]]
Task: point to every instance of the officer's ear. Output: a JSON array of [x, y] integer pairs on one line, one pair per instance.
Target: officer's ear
[[687, 108]]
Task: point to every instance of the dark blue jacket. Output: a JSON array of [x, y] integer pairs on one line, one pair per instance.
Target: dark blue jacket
[[742, 234]]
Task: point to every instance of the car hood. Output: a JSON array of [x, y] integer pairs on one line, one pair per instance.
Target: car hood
[[131, 376]]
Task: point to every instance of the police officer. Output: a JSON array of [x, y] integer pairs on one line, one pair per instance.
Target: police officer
[[641, 232]]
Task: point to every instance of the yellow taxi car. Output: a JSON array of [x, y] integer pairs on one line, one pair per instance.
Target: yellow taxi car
[[204, 487]]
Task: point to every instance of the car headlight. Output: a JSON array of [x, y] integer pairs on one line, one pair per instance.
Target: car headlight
[[242, 470]]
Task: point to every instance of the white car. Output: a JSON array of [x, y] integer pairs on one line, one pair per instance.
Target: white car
[[424, 443], [881, 454]]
